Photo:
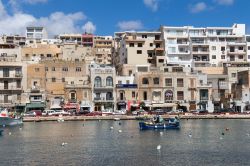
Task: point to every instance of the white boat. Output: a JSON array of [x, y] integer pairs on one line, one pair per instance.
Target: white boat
[[6, 120], [60, 118]]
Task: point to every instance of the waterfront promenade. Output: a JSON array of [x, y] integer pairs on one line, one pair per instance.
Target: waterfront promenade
[[127, 117]]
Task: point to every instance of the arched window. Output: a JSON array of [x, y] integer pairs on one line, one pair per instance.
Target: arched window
[[169, 95], [144, 80], [109, 81], [98, 82]]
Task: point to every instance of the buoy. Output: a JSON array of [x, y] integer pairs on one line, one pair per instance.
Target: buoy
[[161, 133], [111, 127], [64, 143], [119, 131], [9, 133], [227, 129], [221, 138], [190, 135], [99, 120], [222, 133], [119, 123], [20, 128], [158, 147]]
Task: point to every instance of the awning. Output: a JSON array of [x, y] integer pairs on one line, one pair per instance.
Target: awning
[[35, 105], [55, 106], [164, 105]]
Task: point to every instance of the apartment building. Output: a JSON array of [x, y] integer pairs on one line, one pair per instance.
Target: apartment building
[[139, 48], [103, 87], [12, 76], [204, 47], [13, 39], [35, 94], [36, 34], [126, 92], [241, 92], [103, 48], [40, 52], [78, 53], [67, 79], [70, 38]]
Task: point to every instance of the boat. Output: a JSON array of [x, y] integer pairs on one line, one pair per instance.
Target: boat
[[60, 119], [171, 123], [1, 131], [6, 120]]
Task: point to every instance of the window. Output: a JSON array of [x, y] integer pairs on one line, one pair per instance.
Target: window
[[145, 95], [127, 81], [49, 55], [131, 44], [248, 56], [180, 95], [139, 51], [46, 69], [36, 69], [156, 81], [222, 48], [233, 75], [63, 79], [119, 82], [139, 45], [213, 56], [53, 69], [180, 82], [222, 56], [241, 48], [64, 69], [213, 47], [168, 82], [231, 49], [151, 44], [109, 96], [145, 81], [240, 56], [109, 81], [98, 82], [53, 79], [172, 49], [18, 84], [130, 72], [248, 47], [133, 94], [168, 95], [78, 69], [144, 36]]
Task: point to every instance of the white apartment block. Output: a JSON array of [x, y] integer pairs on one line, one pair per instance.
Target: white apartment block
[[103, 47], [36, 33], [203, 47]]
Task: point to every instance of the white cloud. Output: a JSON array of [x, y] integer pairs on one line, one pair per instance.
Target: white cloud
[[130, 25], [152, 4], [89, 27], [224, 2], [55, 23], [198, 7], [35, 1]]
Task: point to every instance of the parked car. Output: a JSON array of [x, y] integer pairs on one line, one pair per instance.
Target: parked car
[[120, 112], [139, 112], [33, 113], [94, 113], [48, 112], [60, 112]]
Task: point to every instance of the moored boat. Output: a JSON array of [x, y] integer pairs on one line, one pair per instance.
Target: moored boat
[[6, 120], [1, 131], [172, 123]]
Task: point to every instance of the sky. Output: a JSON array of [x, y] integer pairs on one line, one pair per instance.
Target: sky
[[104, 17]]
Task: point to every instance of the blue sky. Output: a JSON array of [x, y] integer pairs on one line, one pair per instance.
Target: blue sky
[[106, 17]]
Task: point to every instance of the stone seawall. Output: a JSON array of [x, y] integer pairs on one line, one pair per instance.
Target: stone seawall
[[125, 117]]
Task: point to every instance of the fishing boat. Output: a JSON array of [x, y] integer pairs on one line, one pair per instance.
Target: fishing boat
[[171, 123], [6, 120]]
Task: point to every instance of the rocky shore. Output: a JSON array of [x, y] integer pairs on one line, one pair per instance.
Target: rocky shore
[[126, 117]]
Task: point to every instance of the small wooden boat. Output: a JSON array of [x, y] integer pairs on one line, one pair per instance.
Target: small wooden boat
[[172, 123]]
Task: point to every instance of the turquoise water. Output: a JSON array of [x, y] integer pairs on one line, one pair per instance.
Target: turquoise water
[[199, 142]]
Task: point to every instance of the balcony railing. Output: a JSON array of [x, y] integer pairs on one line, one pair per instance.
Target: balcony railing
[[11, 88]]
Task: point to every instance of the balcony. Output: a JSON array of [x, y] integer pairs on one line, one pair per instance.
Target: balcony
[[203, 98], [103, 99], [103, 87], [12, 76], [200, 52], [238, 52], [11, 88]]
